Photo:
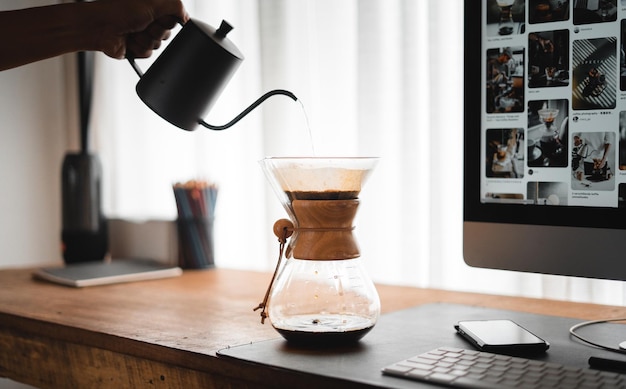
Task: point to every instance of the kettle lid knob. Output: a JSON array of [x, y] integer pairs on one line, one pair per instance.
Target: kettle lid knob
[[224, 29]]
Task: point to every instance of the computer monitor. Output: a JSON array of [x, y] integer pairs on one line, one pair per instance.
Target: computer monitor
[[544, 93]]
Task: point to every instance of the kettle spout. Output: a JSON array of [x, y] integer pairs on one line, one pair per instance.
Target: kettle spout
[[249, 109]]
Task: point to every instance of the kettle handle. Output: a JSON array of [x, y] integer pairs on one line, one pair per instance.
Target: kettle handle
[[247, 110], [131, 61], [224, 29]]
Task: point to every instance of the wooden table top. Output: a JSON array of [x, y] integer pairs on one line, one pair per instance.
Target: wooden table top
[[177, 322]]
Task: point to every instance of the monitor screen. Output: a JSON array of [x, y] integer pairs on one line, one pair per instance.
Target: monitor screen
[[545, 136]]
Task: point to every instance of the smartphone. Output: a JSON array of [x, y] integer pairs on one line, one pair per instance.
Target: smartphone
[[501, 336]]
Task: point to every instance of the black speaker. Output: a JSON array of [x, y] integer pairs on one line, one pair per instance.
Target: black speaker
[[84, 234]]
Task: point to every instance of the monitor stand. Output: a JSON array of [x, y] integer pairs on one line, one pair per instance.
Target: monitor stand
[[400, 335]]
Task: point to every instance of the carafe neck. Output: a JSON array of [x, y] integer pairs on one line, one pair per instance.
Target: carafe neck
[[324, 229]]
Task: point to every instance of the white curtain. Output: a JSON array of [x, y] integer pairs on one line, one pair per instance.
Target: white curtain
[[375, 78]]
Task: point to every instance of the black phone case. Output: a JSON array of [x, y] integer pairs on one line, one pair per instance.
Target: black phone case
[[509, 349]]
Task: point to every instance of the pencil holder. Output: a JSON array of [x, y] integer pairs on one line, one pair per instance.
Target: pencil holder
[[195, 243]]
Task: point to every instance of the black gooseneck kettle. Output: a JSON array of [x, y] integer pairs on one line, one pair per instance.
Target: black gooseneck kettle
[[185, 81]]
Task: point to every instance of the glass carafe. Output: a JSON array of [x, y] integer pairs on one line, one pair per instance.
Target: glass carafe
[[550, 136], [321, 294], [506, 25]]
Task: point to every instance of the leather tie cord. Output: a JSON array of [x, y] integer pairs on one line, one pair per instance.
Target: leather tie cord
[[282, 240]]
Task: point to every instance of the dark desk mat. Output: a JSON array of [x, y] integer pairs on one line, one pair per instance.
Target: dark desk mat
[[400, 335]]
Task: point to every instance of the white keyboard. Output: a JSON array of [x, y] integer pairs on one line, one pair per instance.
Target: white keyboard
[[460, 368]]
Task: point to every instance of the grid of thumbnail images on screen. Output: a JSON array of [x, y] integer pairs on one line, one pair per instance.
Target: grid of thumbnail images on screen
[[554, 117]]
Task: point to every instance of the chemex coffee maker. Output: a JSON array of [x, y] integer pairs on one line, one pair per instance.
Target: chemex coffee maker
[[321, 294]]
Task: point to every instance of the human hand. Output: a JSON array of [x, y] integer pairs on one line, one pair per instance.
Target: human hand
[[598, 163], [548, 46], [135, 28]]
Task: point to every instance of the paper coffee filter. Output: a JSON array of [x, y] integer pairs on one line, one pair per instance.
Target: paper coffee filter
[[314, 175], [320, 179], [318, 174]]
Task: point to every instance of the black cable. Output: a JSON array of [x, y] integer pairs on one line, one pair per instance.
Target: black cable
[[85, 88], [85, 91]]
